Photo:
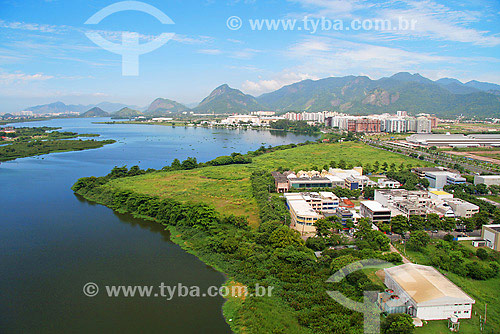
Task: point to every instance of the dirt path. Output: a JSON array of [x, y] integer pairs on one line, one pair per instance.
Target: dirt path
[[394, 249], [477, 157]]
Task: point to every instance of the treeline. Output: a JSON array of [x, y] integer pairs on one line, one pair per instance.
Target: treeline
[[234, 158], [37, 133], [452, 256], [339, 191], [192, 163], [408, 180], [295, 126]]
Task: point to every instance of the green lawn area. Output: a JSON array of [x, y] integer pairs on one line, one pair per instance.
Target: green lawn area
[[228, 189], [495, 155], [466, 128]]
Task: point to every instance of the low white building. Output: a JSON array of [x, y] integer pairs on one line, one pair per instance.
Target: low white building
[[462, 208], [438, 180], [489, 180], [427, 294], [237, 119], [388, 183], [375, 211], [307, 207], [491, 235], [302, 214]]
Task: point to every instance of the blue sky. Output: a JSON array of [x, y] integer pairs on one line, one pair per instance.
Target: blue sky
[[45, 55]]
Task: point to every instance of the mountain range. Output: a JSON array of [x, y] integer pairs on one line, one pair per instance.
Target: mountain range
[[350, 94], [402, 91], [228, 100], [60, 107]]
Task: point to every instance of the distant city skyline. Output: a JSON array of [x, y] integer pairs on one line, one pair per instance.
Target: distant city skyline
[[45, 55]]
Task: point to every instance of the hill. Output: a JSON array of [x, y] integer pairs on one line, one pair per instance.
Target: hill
[[111, 107], [402, 91], [60, 107], [126, 113], [226, 100], [160, 107], [95, 112]]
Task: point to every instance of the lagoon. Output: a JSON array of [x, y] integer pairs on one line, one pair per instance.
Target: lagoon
[[52, 242]]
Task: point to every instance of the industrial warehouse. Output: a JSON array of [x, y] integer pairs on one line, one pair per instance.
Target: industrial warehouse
[[424, 293]]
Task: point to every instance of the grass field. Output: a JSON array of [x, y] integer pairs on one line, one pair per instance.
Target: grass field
[[227, 188], [466, 128], [495, 155]]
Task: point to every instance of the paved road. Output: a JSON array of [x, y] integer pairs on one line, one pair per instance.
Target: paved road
[[428, 157]]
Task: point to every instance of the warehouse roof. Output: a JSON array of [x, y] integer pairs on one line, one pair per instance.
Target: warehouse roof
[[427, 286]]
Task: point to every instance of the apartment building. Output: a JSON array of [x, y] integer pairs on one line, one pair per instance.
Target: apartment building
[[365, 125], [399, 123]]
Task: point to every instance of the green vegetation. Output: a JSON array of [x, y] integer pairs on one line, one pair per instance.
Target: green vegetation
[[27, 142], [226, 100], [270, 255], [162, 107], [467, 128], [469, 193], [95, 112], [397, 324], [295, 126], [267, 252], [34, 148], [126, 113], [408, 180], [361, 95], [227, 188]]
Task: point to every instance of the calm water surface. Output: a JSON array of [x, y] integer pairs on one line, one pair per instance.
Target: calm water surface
[[52, 242]]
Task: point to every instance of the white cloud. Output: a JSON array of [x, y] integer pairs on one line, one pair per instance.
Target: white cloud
[[283, 79], [442, 23], [212, 52], [330, 8], [245, 53], [327, 56], [434, 20], [18, 77], [46, 28]]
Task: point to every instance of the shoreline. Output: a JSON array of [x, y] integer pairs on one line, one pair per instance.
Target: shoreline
[[315, 134]]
